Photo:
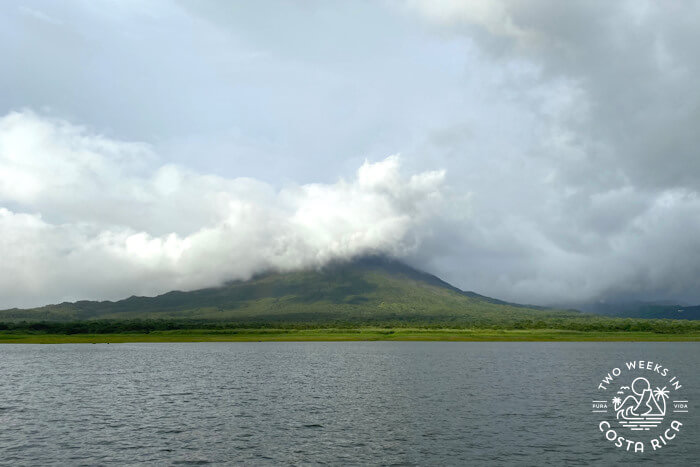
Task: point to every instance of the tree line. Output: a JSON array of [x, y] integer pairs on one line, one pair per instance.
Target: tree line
[[589, 324]]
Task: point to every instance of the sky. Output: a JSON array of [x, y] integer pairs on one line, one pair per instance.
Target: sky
[[536, 151]]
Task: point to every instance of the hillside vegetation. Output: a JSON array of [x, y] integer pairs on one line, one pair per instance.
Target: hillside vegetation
[[644, 310], [368, 290], [371, 292]]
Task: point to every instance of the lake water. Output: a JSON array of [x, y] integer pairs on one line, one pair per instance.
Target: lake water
[[338, 403]]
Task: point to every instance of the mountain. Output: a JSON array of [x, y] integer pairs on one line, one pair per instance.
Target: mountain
[[646, 310], [372, 289]]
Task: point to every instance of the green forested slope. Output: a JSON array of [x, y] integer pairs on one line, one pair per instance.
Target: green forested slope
[[367, 290]]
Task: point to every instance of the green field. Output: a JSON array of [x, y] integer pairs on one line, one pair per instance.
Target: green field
[[359, 334]]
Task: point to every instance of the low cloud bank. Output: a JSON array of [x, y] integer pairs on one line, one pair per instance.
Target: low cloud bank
[[84, 216]]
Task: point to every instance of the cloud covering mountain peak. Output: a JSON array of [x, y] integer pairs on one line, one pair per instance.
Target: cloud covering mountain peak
[[91, 217]]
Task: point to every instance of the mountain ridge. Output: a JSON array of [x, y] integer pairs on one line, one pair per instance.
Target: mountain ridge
[[643, 310], [371, 288]]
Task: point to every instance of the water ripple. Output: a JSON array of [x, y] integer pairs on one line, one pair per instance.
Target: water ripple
[[312, 403]]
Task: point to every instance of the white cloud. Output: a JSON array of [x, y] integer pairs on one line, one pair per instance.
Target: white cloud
[[83, 216], [91, 217], [494, 16]]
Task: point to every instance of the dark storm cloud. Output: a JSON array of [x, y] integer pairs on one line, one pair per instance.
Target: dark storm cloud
[[617, 216]]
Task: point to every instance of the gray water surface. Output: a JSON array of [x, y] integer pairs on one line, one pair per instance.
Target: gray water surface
[[423, 403]]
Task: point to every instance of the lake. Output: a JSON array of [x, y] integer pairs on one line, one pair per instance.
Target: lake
[[338, 403]]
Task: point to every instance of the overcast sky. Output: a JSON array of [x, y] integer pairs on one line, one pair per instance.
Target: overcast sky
[[536, 151]]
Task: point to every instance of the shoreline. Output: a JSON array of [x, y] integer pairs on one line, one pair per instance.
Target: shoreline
[[348, 335]]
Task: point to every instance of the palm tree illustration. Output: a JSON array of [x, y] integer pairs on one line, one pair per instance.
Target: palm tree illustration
[[661, 394]]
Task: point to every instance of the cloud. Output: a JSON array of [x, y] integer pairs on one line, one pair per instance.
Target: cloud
[[567, 132], [86, 216], [629, 67], [601, 202]]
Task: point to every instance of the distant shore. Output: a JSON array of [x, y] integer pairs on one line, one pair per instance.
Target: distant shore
[[339, 335]]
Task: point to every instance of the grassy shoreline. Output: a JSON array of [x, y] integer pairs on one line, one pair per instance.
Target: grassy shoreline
[[341, 334]]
